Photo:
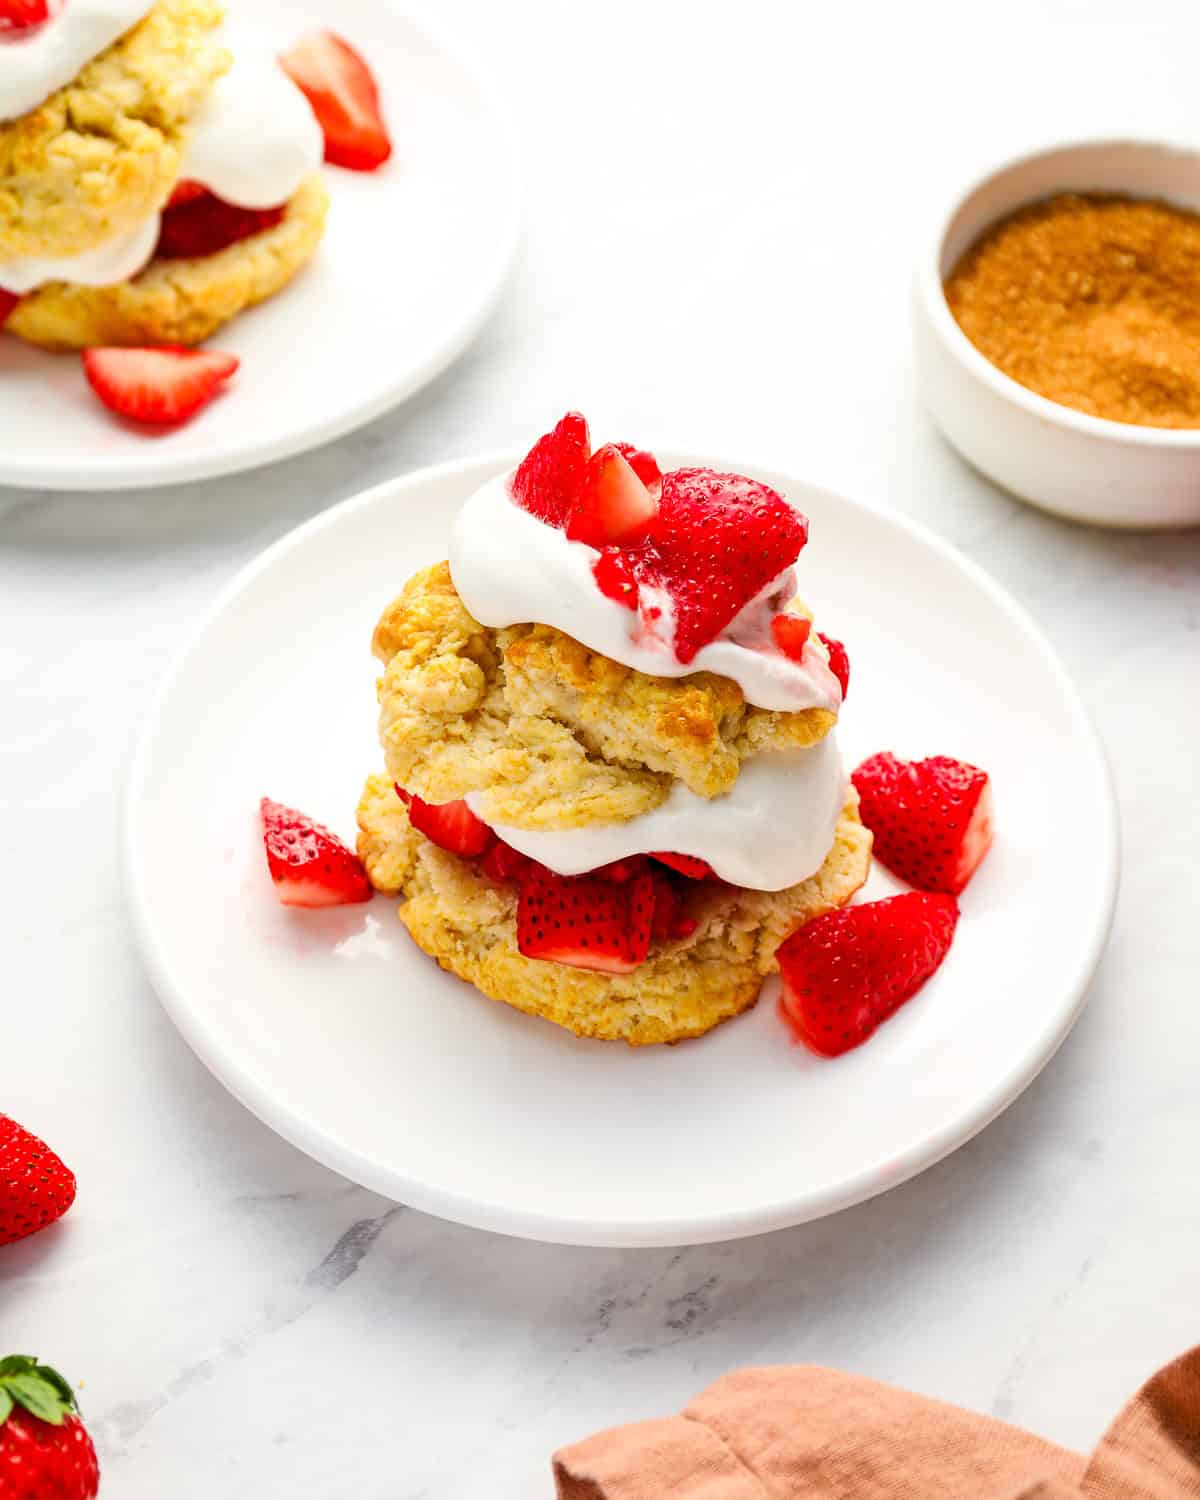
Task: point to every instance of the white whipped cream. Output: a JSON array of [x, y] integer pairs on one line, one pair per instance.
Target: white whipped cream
[[37, 63], [255, 138], [115, 260], [253, 142], [510, 569], [771, 831]]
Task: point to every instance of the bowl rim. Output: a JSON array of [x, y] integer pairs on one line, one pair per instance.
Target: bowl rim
[[959, 346]]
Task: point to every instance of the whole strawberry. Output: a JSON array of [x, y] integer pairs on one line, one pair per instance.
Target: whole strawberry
[[45, 1451], [35, 1187]]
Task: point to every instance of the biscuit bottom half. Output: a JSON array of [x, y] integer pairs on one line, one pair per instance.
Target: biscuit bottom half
[[468, 923], [177, 301]]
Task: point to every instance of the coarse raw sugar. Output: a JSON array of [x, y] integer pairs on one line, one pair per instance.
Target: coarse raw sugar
[[1091, 301]]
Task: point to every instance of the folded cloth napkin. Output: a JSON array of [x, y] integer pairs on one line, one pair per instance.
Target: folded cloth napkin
[[799, 1431]]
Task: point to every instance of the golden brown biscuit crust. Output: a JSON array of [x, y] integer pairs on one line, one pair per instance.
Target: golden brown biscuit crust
[[550, 734], [177, 301], [103, 154], [468, 924]]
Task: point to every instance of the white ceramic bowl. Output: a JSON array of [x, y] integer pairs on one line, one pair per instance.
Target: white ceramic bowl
[[1087, 468]]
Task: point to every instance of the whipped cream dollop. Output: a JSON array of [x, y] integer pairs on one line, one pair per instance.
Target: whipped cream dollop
[[114, 260], [255, 138], [253, 142], [510, 568], [772, 830], [37, 63]]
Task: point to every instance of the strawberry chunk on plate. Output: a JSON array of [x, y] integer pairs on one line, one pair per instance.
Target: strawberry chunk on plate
[[165, 385], [345, 99], [846, 972], [613, 504], [309, 865], [450, 825], [932, 819], [17, 16]]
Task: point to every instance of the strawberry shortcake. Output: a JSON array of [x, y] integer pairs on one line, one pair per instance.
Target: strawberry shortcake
[[612, 786]]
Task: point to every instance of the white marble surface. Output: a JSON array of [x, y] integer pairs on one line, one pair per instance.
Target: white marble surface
[[721, 216]]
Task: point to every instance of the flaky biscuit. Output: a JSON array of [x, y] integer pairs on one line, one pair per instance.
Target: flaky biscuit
[[177, 301], [468, 923], [550, 734], [103, 154]]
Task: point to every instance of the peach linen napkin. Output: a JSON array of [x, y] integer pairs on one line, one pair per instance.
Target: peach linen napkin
[[799, 1431]]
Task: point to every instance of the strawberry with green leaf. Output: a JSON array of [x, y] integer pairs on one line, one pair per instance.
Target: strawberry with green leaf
[[45, 1450]]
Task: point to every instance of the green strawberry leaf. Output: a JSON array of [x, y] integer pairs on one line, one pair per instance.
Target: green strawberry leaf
[[6, 1405], [18, 1364], [60, 1384], [37, 1396]]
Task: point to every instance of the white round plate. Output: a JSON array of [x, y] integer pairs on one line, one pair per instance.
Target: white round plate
[[412, 262], [335, 1030]]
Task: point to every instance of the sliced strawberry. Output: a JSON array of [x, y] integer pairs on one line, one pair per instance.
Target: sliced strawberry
[[450, 825], [503, 862], [644, 465], [309, 865], [717, 541], [670, 924], [932, 819], [200, 224], [585, 922], [613, 505], [791, 633], [8, 301], [614, 577], [846, 972], [164, 385], [186, 191], [345, 99], [550, 476], [22, 15], [621, 871], [839, 662], [687, 864]]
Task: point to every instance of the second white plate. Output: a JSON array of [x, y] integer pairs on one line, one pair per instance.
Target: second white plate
[[412, 262], [340, 1034]]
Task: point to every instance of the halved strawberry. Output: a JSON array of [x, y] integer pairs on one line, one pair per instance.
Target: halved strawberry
[[644, 465], [791, 633], [614, 577], [847, 971], [22, 15], [613, 505], [585, 922], [549, 478], [164, 385], [345, 99], [8, 300], [687, 864], [839, 662], [450, 825], [309, 865], [717, 541], [199, 223], [503, 862], [670, 924], [932, 819]]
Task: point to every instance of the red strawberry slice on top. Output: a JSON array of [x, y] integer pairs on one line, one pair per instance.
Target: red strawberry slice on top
[[839, 662], [613, 504], [345, 99], [932, 819], [309, 865], [791, 633], [164, 385], [22, 15], [644, 465], [550, 477], [718, 540], [846, 972], [585, 921]]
